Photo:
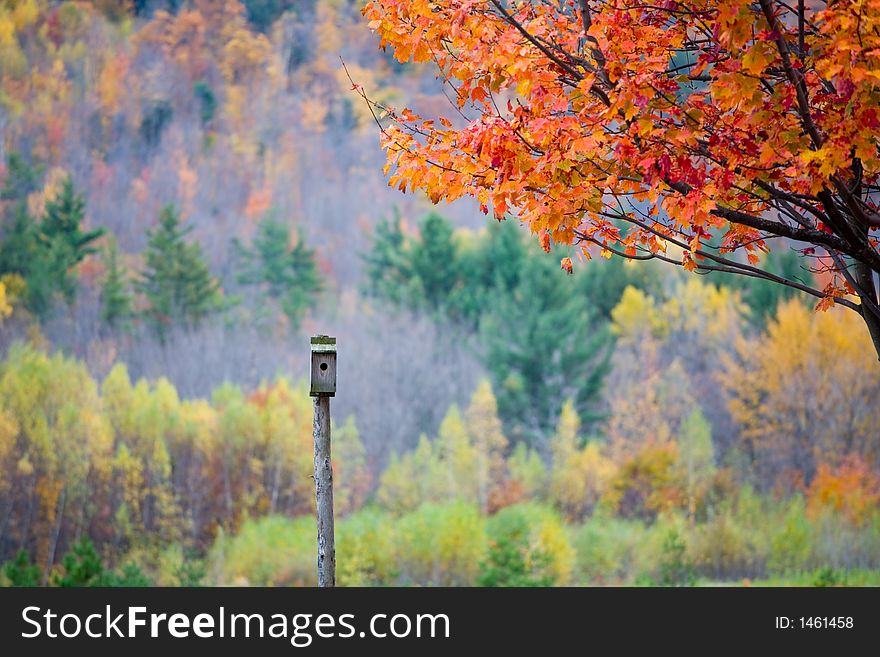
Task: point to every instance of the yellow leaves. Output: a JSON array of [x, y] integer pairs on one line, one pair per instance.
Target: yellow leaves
[[25, 13], [110, 83], [759, 57], [808, 375], [5, 305], [524, 86], [7, 30]]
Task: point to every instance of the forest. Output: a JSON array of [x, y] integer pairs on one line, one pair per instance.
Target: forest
[[189, 189]]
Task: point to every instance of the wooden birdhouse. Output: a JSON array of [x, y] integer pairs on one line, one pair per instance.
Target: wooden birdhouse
[[323, 366]]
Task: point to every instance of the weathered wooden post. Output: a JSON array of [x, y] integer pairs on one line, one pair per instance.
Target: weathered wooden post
[[322, 389]]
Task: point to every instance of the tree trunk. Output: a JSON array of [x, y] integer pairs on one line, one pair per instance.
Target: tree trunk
[[324, 493], [864, 276]]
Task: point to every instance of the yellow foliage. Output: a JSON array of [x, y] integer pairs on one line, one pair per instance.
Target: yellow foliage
[[806, 391], [5, 305], [489, 442], [712, 313], [580, 475]]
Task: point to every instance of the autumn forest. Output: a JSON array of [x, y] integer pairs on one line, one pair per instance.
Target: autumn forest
[[671, 382]]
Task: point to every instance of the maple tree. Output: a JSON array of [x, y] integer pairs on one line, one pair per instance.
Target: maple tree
[[694, 132]]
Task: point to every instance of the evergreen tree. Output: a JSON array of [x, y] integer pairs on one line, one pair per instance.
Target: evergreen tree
[[289, 274], [82, 566], [62, 235], [512, 560], [116, 300], [387, 267], [177, 283], [434, 261], [20, 571], [20, 253], [22, 178], [543, 345]]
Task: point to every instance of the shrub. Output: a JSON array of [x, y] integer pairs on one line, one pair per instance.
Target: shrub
[[271, 551], [514, 558], [365, 549], [441, 544]]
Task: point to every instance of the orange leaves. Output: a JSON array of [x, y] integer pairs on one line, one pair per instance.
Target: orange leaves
[[851, 488], [566, 265], [568, 136]]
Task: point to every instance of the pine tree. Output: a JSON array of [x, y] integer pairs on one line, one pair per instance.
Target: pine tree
[[21, 254], [62, 236], [555, 349], [22, 178], [20, 571], [82, 566], [116, 301], [290, 274], [177, 283], [434, 261], [387, 264]]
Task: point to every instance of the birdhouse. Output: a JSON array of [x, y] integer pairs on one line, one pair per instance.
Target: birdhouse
[[323, 366]]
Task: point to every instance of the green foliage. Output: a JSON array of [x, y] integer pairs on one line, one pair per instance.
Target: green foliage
[[81, 566], [387, 264], [676, 568], [557, 349], [62, 222], [287, 273], [207, 100], [271, 551], [116, 298], [554, 351], [512, 559], [434, 261], [22, 178], [527, 469], [45, 253], [365, 549], [263, 13], [611, 550], [20, 571], [156, 117], [441, 545], [176, 282], [790, 546]]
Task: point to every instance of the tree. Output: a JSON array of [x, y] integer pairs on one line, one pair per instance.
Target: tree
[[803, 394], [116, 300], [555, 350], [44, 253], [288, 272], [484, 428], [20, 571], [177, 283], [82, 566], [434, 260], [62, 234], [386, 265], [580, 474], [512, 560], [651, 130]]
